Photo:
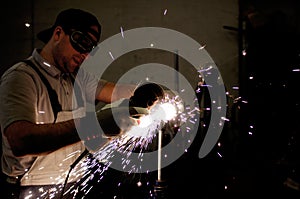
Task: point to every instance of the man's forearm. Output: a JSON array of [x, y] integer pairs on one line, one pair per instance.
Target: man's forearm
[[27, 138], [112, 92]]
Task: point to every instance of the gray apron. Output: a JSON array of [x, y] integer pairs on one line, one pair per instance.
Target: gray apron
[[53, 168]]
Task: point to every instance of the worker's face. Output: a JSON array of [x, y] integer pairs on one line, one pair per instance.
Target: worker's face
[[73, 49]]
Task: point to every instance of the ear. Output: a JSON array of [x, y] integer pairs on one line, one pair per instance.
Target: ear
[[57, 33]]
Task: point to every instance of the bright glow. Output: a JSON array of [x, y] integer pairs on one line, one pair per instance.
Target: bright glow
[[170, 110], [145, 121], [148, 125], [163, 112]]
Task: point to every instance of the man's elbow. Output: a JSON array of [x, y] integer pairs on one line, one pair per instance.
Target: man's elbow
[[16, 141]]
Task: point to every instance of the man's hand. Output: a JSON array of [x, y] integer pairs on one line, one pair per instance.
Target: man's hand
[[115, 121]]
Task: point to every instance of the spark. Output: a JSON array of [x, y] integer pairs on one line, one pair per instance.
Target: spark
[[139, 183], [225, 119], [27, 25], [202, 47], [137, 138], [219, 154], [205, 69], [244, 52], [122, 32], [165, 11], [47, 64], [28, 196], [170, 110], [111, 55]]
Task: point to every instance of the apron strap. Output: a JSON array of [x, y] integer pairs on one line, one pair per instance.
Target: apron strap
[[56, 106]]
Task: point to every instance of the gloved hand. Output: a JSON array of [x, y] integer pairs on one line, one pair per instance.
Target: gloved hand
[[117, 120]]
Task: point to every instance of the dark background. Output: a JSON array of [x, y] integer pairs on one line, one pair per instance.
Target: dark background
[[260, 152]]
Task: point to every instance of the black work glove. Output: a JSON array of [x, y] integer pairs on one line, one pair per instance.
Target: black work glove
[[117, 120]]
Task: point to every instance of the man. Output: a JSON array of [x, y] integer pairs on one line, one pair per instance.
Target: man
[[40, 140]]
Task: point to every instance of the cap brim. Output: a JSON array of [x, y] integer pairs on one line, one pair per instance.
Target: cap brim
[[45, 35]]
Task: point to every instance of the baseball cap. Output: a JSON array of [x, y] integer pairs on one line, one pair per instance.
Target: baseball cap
[[72, 18]]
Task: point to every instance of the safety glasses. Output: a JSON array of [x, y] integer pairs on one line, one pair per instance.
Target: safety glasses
[[81, 42]]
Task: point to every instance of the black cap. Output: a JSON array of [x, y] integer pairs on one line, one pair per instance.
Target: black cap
[[76, 19]]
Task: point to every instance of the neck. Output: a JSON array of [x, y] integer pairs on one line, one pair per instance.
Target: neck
[[48, 56]]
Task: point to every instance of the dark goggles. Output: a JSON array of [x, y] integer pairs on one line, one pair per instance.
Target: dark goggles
[[81, 42]]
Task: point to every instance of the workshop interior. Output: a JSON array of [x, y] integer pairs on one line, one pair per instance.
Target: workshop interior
[[250, 57]]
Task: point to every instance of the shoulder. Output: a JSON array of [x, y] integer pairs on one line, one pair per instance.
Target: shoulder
[[19, 74], [19, 67]]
